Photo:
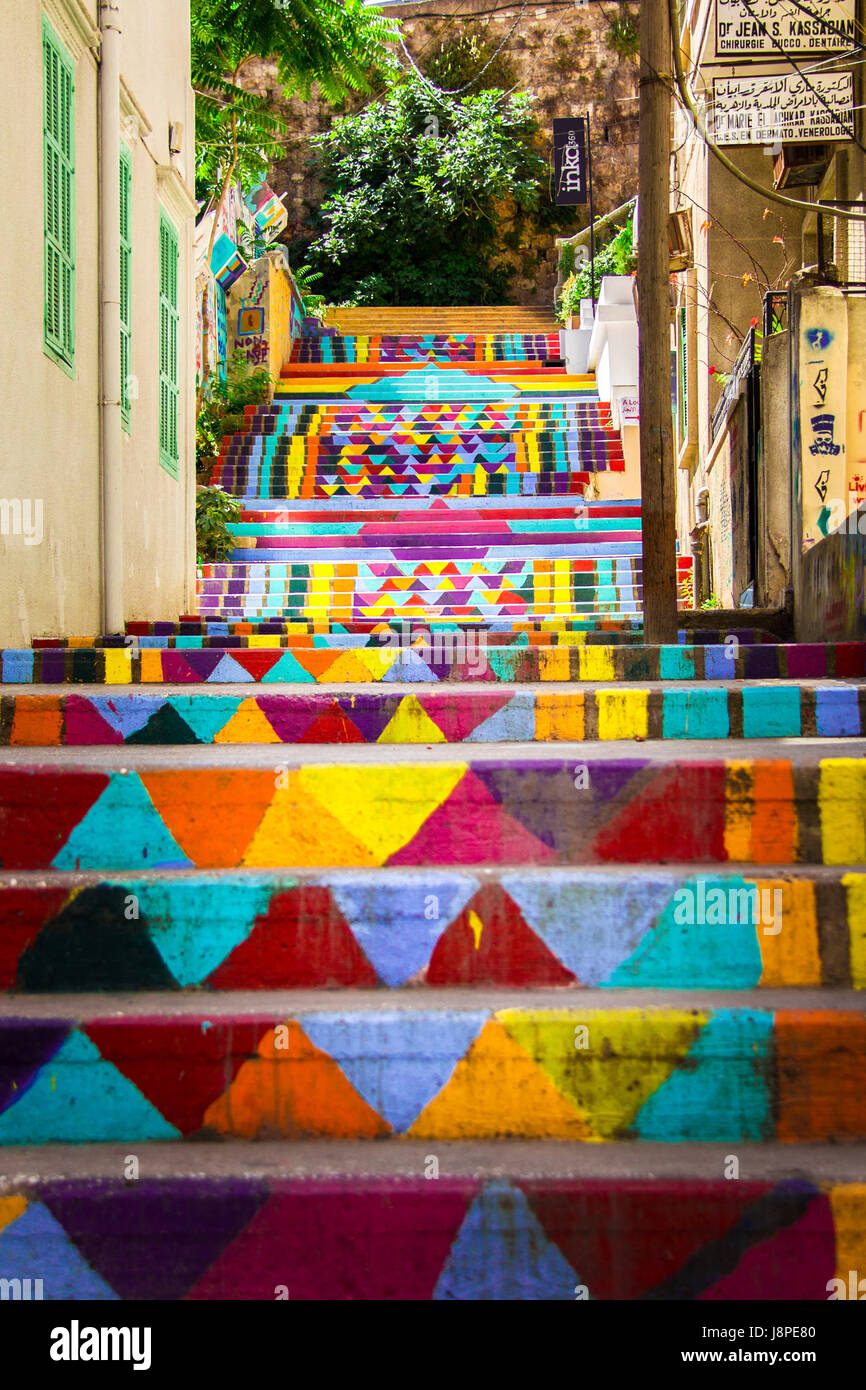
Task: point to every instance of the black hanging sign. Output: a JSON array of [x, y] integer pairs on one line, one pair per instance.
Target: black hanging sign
[[571, 163]]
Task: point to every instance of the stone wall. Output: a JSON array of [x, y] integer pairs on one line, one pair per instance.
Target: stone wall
[[559, 51]]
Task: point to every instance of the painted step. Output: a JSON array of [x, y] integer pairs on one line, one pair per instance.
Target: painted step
[[672, 928], [365, 1224], [224, 807], [306, 1066], [413, 347], [291, 664], [451, 715]]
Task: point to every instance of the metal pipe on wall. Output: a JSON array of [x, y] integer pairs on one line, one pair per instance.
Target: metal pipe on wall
[[109, 314]]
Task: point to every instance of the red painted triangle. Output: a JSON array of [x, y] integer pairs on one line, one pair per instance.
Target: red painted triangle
[[39, 809], [507, 952], [23, 914], [334, 726], [258, 661], [471, 827], [678, 817], [302, 942], [659, 1225], [457, 717], [181, 1065], [323, 1241]]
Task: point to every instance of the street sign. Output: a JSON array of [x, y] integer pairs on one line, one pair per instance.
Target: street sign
[[571, 161], [783, 108], [771, 27]]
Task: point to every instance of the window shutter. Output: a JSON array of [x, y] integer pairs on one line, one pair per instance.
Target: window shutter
[[59, 210], [125, 283], [169, 455]]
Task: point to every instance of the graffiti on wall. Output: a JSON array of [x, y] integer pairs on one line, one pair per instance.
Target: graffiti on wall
[[823, 359]]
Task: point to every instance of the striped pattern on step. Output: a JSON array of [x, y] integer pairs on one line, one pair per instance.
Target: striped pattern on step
[[589, 1075], [440, 657], [441, 716], [458, 1239], [491, 811], [662, 929]]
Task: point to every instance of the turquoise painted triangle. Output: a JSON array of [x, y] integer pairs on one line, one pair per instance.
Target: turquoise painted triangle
[[35, 1246], [289, 670], [122, 830], [722, 1090], [397, 1060], [191, 938], [504, 661], [700, 955], [397, 919], [206, 715], [501, 1252], [590, 922], [79, 1098]]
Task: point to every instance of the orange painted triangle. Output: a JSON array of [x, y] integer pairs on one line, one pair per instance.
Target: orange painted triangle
[[498, 1091], [214, 814], [317, 661], [293, 1091]]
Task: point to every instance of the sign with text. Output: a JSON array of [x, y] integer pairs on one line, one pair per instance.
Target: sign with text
[[765, 110], [570, 161], [795, 26]]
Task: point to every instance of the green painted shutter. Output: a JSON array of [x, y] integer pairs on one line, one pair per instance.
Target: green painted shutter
[[125, 282], [59, 180], [684, 376], [169, 455]]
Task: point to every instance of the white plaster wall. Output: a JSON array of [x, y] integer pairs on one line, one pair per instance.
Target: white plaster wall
[[50, 441]]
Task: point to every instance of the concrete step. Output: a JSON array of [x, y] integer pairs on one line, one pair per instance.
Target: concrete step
[[673, 928], [434, 714], [272, 661], [336, 1221], [231, 806], [466, 1065]]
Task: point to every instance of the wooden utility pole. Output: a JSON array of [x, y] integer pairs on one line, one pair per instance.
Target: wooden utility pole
[[657, 472]]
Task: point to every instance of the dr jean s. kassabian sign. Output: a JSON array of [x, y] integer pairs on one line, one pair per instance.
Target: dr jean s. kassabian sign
[[770, 27]]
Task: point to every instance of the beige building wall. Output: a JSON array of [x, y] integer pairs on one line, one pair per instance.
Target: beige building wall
[[50, 459]]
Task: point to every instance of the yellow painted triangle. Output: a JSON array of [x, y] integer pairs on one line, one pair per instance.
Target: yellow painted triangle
[[294, 831], [247, 725], [411, 724], [383, 805], [495, 1092], [607, 1062], [10, 1210]]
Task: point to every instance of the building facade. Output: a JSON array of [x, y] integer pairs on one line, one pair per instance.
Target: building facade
[[782, 98], [69, 498]]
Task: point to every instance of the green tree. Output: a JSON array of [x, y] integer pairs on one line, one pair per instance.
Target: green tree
[[337, 44], [417, 184]]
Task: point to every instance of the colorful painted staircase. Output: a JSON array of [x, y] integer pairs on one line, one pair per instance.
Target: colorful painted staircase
[[593, 988]]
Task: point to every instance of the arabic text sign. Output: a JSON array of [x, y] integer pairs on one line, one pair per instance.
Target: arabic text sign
[[768, 26], [764, 110]]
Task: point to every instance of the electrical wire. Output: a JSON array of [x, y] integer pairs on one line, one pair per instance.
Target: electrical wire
[[439, 91]]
